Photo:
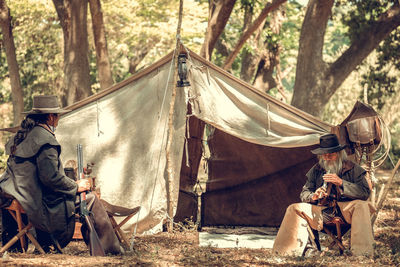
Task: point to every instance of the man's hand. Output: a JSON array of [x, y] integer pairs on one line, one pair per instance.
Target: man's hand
[[333, 178], [83, 185], [319, 193]]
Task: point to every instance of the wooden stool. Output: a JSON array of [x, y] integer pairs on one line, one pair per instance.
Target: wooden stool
[[16, 210], [336, 228], [113, 211]]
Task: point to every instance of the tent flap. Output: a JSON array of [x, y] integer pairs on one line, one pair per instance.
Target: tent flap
[[125, 134], [250, 184]]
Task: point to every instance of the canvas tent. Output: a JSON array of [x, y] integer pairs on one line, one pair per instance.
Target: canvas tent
[[260, 147]]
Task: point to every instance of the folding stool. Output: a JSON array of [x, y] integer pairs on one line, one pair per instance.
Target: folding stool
[[16, 212], [117, 211]]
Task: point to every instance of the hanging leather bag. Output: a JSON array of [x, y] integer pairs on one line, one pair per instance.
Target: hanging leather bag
[[365, 130]]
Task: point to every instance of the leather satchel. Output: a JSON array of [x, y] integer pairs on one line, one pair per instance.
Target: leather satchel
[[365, 130]]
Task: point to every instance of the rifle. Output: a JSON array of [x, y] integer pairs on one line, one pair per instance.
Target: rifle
[[95, 247]]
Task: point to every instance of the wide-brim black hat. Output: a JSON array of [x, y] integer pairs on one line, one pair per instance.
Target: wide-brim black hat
[[328, 143], [45, 104]]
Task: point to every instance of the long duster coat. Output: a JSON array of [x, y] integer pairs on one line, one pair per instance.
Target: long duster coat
[[36, 178]]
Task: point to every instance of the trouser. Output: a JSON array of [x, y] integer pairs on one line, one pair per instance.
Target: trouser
[[102, 225], [293, 235]]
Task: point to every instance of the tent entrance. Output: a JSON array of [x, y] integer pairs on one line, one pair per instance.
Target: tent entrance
[[250, 184]]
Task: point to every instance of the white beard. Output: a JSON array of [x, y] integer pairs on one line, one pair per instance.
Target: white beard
[[332, 166]]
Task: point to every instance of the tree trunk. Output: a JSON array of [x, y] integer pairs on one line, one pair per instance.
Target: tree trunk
[[73, 19], [8, 41], [250, 60], [100, 41], [246, 35], [264, 79], [219, 13], [316, 81]]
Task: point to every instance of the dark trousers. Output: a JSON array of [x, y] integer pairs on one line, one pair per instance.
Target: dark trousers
[[102, 225]]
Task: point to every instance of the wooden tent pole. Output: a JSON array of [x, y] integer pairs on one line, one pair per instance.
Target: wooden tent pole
[[170, 166], [385, 192]]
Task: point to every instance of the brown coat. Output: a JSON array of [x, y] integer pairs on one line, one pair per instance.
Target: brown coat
[[355, 186]]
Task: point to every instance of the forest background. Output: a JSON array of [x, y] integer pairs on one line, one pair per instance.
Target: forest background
[[320, 56]]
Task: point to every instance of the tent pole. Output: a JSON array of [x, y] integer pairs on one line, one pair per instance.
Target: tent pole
[[170, 167]]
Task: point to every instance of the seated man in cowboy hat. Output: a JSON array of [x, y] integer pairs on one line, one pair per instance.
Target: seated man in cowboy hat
[[36, 178], [346, 184]]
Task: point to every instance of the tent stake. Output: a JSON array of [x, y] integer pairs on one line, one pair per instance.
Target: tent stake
[[170, 167]]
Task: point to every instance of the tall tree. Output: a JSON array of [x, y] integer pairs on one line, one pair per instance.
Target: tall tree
[[100, 41], [73, 19], [317, 80], [8, 42], [219, 13]]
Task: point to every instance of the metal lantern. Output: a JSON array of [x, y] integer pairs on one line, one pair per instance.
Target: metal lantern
[[182, 71]]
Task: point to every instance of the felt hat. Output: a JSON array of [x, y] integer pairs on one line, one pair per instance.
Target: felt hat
[[328, 143], [45, 104]]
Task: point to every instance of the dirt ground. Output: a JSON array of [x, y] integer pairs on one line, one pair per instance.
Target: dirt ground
[[180, 248]]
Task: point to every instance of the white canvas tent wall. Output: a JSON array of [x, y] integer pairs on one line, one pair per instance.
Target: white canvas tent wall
[[123, 130]]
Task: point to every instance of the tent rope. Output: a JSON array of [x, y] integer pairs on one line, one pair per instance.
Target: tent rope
[[268, 122], [98, 111]]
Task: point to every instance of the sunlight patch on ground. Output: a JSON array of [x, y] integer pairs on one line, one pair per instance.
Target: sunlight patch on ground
[[235, 241]]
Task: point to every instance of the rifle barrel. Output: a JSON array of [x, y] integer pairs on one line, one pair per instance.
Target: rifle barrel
[[80, 160], [95, 246]]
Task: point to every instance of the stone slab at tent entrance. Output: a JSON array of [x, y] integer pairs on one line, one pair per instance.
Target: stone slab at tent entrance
[[259, 146]]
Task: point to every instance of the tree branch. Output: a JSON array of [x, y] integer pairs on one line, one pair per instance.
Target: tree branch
[[363, 46], [220, 11], [246, 35]]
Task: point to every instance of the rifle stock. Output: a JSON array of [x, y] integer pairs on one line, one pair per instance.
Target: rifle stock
[[95, 246]]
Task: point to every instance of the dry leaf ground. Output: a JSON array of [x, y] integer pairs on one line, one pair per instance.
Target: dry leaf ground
[[180, 248]]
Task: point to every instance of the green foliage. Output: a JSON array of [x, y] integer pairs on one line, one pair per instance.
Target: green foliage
[[3, 160], [132, 28], [137, 28], [5, 94], [362, 13], [38, 49], [381, 79]]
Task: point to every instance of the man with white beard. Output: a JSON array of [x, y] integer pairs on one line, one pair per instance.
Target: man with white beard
[[347, 186]]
